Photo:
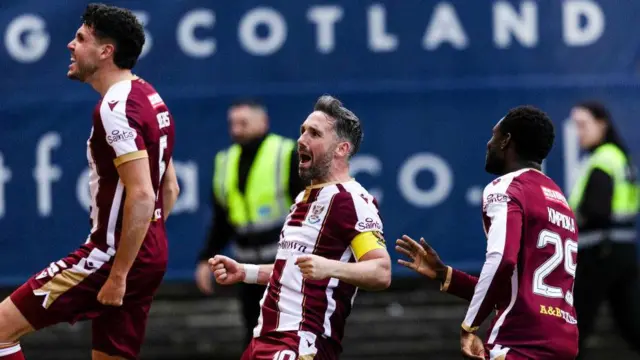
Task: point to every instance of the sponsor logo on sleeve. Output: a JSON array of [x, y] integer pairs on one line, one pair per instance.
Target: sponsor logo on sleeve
[[495, 198], [120, 135], [155, 100], [369, 224]]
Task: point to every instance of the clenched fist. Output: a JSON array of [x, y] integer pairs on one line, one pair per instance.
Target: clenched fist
[[226, 270], [314, 267], [112, 292]]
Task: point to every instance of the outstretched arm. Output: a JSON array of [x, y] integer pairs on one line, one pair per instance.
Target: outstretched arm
[[425, 261], [458, 283]]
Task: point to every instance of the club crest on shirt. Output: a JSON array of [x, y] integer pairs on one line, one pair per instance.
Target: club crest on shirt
[[316, 211]]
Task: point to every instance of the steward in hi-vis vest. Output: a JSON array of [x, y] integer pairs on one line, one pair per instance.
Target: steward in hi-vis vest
[[605, 202], [254, 184]]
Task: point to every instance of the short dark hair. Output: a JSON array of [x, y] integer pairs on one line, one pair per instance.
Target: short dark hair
[[249, 102], [120, 26], [347, 124], [531, 130]]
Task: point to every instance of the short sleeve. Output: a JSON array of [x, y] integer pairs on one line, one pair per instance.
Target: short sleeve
[[123, 130], [360, 222]]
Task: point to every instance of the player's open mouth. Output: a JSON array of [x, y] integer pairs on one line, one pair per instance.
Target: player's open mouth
[[305, 159]]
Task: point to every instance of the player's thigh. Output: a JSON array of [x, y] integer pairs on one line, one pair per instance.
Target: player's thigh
[[65, 291], [120, 331], [13, 325]]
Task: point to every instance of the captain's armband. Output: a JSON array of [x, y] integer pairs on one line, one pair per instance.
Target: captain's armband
[[367, 241]]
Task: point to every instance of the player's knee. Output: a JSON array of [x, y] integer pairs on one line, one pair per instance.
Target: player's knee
[[12, 324]]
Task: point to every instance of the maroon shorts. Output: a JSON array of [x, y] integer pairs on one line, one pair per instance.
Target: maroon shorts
[[291, 345], [67, 291], [498, 352]]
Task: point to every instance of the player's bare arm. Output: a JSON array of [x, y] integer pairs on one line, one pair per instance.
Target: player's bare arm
[[228, 271], [138, 209], [372, 272], [170, 190]]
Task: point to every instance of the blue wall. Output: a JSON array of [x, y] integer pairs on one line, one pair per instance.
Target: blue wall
[[429, 79]]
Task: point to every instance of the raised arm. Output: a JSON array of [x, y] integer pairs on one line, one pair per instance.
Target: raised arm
[[425, 261]]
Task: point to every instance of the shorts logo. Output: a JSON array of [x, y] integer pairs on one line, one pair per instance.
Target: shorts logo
[[117, 135], [316, 211], [369, 224]]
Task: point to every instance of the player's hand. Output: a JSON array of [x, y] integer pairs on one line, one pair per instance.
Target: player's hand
[[204, 278], [424, 260], [314, 267], [112, 292], [471, 345], [226, 270]]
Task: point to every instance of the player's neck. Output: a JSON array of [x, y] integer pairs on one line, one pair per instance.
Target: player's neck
[[522, 164], [333, 177], [103, 79]]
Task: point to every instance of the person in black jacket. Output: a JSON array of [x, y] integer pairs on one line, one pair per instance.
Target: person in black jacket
[[605, 201], [248, 124]]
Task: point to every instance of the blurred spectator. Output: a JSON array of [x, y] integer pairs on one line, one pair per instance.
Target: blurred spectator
[[254, 184], [605, 200]]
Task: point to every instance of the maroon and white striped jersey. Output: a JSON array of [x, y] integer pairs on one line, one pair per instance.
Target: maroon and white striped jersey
[[130, 122], [323, 221], [529, 270]]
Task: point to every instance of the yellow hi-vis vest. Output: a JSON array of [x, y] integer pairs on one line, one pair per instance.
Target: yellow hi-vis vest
[[266, 201], [624, 203]]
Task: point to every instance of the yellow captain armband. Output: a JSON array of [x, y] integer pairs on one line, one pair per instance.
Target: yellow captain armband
[[367, 241]]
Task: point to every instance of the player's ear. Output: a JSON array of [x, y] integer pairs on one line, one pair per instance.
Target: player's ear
[[343, 149], [107, 50], [505, 141]]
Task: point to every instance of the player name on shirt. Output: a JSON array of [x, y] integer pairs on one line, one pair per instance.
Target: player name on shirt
[[559, 219]]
